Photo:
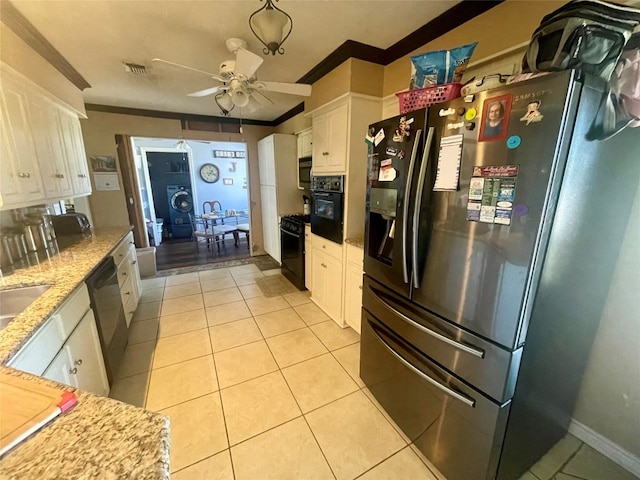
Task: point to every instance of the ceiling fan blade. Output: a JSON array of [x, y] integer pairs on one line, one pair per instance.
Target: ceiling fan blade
[[290, 88], [247, 63], [208, 91], [262, 98], [173, 64]]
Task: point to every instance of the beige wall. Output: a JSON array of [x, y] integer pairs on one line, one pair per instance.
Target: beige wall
[[99, 129], [609, 402], [17, 54], [502, 27], [294, 124]]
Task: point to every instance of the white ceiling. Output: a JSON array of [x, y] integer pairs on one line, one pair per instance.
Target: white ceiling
[[97, 36]]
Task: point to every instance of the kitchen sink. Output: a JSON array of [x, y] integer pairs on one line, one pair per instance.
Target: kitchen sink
[[14, 301]]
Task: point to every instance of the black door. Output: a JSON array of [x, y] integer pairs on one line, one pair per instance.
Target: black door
[[393, 160]]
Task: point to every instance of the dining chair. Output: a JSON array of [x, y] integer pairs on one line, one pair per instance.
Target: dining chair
[[201, 231], [243, 225], [212, 206]]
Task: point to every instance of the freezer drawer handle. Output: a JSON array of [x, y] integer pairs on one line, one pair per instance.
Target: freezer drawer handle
[[416, 208], [460, 346], [458, 396], [405, 206]]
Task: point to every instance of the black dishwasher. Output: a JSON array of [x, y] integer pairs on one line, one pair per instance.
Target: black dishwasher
[[110, 320]]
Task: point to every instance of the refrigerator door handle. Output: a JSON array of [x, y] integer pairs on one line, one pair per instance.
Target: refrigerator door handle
[[458, 396], [460, 346], [416, 207], [405, 206]]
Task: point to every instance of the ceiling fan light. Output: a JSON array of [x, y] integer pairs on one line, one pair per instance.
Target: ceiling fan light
[[225, 101], [240, 97], [269, 24], [252, 105]]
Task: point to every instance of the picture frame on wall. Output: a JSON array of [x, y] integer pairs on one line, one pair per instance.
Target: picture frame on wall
[[227, 181]]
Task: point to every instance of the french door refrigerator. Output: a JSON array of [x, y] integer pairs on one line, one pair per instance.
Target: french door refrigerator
[[493, 227]]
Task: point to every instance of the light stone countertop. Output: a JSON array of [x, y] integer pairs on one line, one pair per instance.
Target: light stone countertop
[[355, 241], [99, 437]]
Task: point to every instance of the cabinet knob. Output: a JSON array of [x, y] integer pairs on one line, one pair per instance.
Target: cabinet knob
[[325, 153], [127, 293], [134, 262], [73, 371], [59, 175], [82, 175], [24, 175], [324, 246], [360, 287], [78, 362], [323, 265]]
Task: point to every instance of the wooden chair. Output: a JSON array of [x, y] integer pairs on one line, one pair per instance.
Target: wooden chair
[[212, 206], [243, 226]]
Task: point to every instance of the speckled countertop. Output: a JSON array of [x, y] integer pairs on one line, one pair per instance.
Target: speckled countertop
[[99, 437], [355, 241]]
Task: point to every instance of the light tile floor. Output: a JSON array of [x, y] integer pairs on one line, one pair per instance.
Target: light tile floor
[[259, 387]]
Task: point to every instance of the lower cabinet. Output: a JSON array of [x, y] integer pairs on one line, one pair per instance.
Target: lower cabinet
[[125, 258], [327, 279], [308, 255], [353, 286], [67, 347], [80, 363]]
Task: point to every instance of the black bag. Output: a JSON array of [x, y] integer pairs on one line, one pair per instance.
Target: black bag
[[585, 35]]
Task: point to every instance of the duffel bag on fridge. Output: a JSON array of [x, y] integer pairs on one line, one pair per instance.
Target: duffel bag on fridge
[[586, 35]]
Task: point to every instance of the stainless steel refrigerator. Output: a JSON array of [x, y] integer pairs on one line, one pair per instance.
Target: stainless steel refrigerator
[[493, 227]]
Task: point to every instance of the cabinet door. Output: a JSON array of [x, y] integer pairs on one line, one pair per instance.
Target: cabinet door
[[305, 143], [320, 144], [353, 297], [87, 363], [308, 256], [74, 146], [61, 368], [318, 276], [20, 179], [338, 131], [270, 227], [266, 161], [52, 158], [334, 289]]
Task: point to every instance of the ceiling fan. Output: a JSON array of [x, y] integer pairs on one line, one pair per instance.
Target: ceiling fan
[[240, 86]]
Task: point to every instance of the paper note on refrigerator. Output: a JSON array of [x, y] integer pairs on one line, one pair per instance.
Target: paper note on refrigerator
[[449, 158]]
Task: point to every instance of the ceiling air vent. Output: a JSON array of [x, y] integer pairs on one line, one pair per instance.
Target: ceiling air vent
[[135, 68]]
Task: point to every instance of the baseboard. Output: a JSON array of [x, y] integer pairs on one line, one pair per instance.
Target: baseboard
[[606, 447]]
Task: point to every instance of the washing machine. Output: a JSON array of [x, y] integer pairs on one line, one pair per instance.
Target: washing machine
[[180, 206]]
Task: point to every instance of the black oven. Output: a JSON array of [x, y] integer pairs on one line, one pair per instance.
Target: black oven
[[327, 207]]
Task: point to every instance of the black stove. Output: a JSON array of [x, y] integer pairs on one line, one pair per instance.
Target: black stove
[[292, 244]]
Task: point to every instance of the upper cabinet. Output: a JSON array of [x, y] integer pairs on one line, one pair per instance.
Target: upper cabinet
[[305, 143], [330, 140], [43, 157]]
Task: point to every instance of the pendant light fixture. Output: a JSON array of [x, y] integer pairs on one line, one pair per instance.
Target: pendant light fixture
[[269, 24]]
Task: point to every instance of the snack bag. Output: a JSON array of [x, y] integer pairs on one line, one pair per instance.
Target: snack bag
[[441, 66]]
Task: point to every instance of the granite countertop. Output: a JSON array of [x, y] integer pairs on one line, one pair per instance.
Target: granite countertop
[[99, 437], [355, 241]]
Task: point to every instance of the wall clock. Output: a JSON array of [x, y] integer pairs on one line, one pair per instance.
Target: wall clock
[[210, 173]]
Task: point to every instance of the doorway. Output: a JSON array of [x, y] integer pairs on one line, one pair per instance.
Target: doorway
[[175, 178]]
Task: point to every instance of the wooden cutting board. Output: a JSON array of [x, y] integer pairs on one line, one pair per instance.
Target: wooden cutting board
[[26, 406]]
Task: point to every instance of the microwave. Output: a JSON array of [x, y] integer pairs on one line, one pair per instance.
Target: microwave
[[304, 173]]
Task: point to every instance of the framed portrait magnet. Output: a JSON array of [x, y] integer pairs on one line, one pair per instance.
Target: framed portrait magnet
[[495, 118]]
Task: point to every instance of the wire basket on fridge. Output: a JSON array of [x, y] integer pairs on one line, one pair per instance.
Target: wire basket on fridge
[[425, 97]]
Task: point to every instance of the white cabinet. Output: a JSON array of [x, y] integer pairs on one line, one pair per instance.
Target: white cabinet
[[270, 221], [74, 148], [327, 277], [279, 194], [308, 255], [43, 157], [51, 152], [305, 143], [80, 363], [20, 179], [330, 134], [67, 340], [125, 258], [353, 287]]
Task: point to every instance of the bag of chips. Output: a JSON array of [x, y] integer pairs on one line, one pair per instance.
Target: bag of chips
[[441, 66]]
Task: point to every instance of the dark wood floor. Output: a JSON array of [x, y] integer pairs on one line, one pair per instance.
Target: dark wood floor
[[182, 253]]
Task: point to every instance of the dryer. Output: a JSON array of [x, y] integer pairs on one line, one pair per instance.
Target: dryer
[[180, 206]]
